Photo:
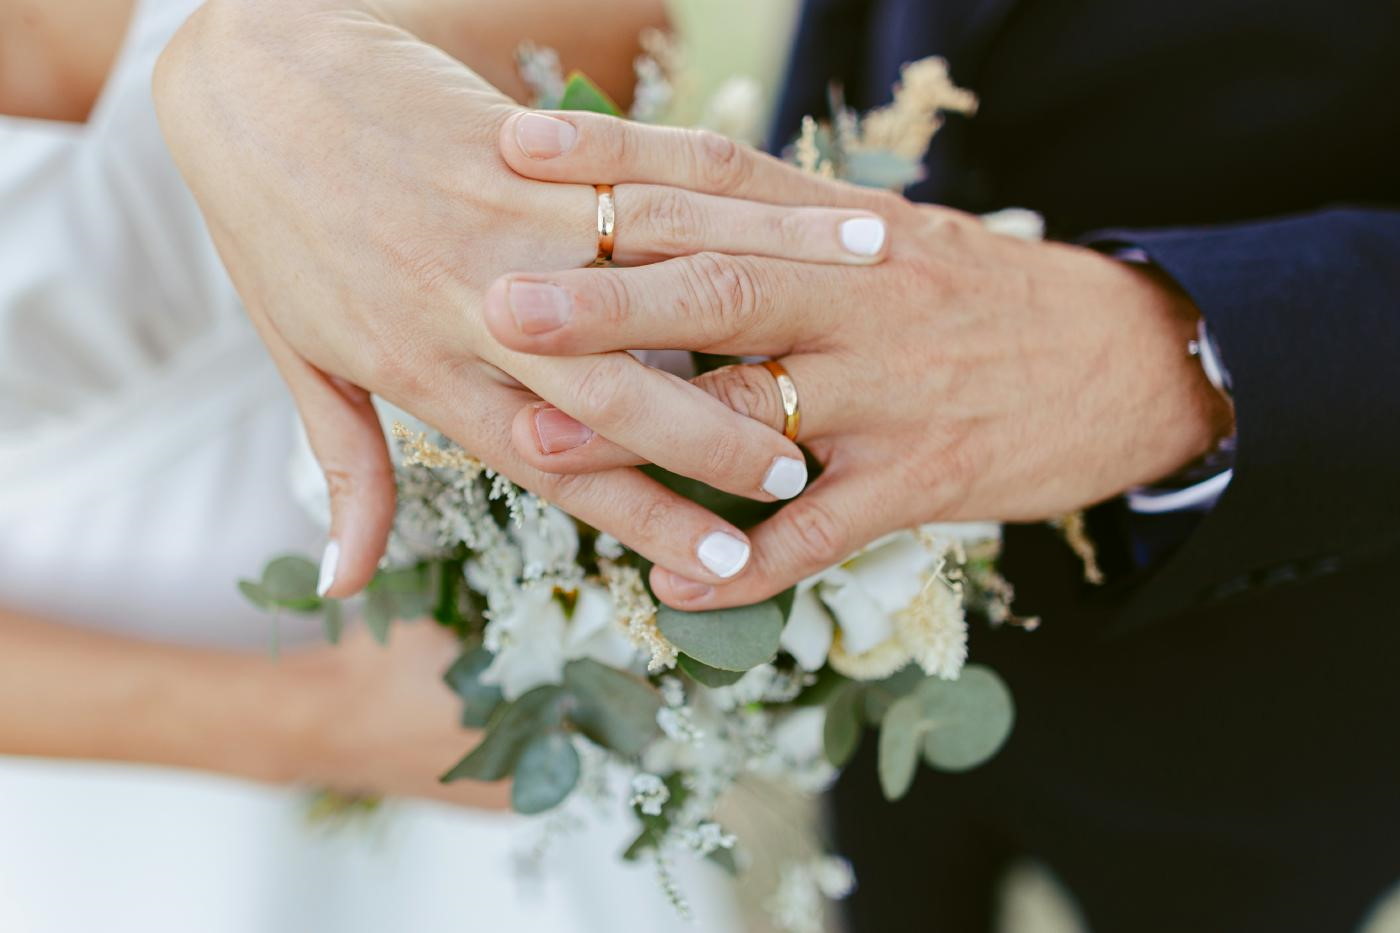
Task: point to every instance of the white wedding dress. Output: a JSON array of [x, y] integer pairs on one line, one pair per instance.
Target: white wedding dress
[[144, 449]]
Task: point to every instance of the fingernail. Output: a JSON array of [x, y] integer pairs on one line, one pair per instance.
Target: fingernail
[[688, 590], [330, 558], [723, 554], [785, 478], [863, 235], [543, 137], [558, 432], [538, 306]]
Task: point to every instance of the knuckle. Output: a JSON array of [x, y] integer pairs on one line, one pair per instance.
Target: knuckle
[[723, 454], [609, 298], [651, 519], [745, 390], [672, 219], [727, 287], [722, 165], [819, 538], [600, 390], [620, 146]]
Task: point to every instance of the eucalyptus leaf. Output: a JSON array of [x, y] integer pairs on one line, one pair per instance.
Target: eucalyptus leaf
[[956, 724], [820, 692], [538, 712], [901, 733], [397, 595], [725, 859], [881, 694], [256, 595], [611, 707], [378, 617], [290, 582], [332, 620], [705, 675], [546, 773], [580, 93], [842, 728], [729, 639], [875, 168], [971, 718], [479, 700]]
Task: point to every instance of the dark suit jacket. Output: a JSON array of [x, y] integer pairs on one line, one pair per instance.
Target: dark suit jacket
[[1252, 149]]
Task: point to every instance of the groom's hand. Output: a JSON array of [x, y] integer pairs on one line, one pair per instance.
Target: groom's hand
[[970, 376], [351, 179]]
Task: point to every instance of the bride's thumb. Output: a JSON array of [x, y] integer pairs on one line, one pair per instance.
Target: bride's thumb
[[345, 435]]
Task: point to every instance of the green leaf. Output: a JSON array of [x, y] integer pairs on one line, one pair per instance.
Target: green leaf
[[729, 639], [332, 621], [725, 859], [479, 700], [547, 771], [256, 595], [841, 731], [290, 582], [820, 693], [876, 168], [900, 734], [957, 724], [971, 718], [537, 712], [611, 707], [401, 594], [654, 827], [705, 675], [785, 599], [580, 93], [880, 695]]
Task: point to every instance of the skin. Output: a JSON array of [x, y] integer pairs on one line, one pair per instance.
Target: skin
[[354, 716], [970, 376], [54, 57], [359, 287]]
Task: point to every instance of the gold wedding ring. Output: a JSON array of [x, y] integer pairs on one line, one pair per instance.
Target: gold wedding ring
[[607, 223], [792, 415]]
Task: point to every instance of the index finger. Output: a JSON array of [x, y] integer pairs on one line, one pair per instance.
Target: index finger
[[591, 148]]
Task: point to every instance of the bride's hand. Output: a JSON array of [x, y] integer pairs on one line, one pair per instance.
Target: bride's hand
[[350, 177], [970, 376], [368, 718]]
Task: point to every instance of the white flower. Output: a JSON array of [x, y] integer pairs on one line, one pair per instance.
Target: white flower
[[548, 546], [537, 637], [649, 794], [879, 610], [706, 837]]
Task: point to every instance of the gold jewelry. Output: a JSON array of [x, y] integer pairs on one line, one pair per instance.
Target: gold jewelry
[[607, 223], [792, 415]]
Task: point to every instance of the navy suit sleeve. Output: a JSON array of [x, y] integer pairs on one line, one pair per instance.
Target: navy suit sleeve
[[1306, 313]]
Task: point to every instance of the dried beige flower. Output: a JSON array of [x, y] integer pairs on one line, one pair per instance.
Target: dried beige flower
[[907, 125]]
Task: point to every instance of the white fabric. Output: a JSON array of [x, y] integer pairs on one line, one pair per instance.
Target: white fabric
[[144, 443]]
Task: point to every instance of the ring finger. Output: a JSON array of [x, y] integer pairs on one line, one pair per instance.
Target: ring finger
[[552, 441]]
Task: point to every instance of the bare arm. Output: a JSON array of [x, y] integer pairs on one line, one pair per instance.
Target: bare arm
[[357, 716], [55, 54]]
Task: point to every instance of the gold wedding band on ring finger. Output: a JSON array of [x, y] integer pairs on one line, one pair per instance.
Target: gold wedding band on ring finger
[[787, 390], [607, 225]]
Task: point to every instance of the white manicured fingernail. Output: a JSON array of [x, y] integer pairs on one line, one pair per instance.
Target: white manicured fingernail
[[863, 235], [329, 559], [723, 554], [785, 478]]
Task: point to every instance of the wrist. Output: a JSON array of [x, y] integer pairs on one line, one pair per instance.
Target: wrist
[[1190, 416]]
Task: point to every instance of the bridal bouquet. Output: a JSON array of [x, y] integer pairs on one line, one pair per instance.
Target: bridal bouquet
[[574, 671]]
